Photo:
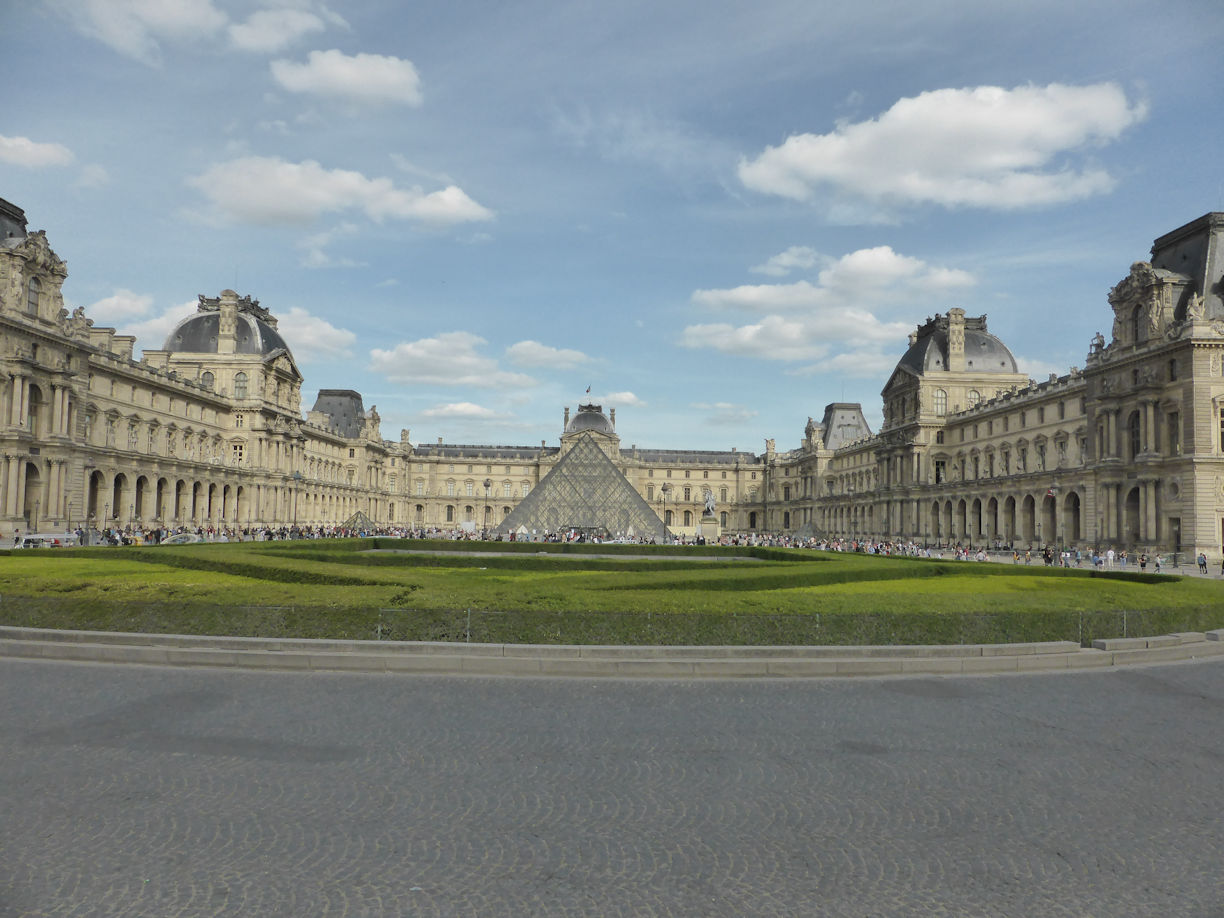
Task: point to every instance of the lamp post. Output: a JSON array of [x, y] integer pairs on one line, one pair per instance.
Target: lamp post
[[666, 491], [488, 483]]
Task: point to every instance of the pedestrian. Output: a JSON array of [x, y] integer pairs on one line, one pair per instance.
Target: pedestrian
[[1202, 562]]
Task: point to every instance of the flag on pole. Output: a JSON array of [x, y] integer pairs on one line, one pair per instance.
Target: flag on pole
[[588, 390], [1050, 492]]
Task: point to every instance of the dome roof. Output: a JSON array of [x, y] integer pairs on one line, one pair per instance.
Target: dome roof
[[254, 333], [590, 417], [984, 353]]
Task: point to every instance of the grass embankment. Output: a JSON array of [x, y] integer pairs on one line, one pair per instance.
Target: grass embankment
[[552, 594]]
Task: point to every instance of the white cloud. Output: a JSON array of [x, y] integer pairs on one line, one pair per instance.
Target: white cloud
[[1038, 369], [773, 338], [136, 28], [366, 78], [980, 147], [313, 339], [120, 305], [867, 277], [92, 176], [269, 191], [315, 245], [466, 410], [726, 413], [796, 257], [620, 400], [267, 31], [151, 333], [22, 151], [836, 320], [535, 354], [449, 359]]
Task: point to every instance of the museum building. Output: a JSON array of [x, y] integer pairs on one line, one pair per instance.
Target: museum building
[[209, 430]]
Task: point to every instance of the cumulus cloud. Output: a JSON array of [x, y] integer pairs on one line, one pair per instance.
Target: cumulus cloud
[[151, 332], [120, 305], [372, 79], [726, 413], [269, 191], [449, 359], [976, 147], [619, 400], [796, 257], [837, 323], [466, 410], [30, 154], [535, 354], [867, 277], [313, 339], [268, 31], [136, 28]]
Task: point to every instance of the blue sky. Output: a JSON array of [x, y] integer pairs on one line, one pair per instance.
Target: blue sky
[[718, 216]]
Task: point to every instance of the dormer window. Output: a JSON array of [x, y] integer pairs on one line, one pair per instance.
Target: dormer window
[[32, 293], [207, 379]]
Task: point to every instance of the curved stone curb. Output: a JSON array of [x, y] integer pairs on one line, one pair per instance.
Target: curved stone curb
[[599, 661]]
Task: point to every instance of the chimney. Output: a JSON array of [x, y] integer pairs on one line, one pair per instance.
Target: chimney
[[227, 333], [565, 421], [956, 340]]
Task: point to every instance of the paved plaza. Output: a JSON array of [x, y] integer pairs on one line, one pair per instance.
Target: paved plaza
[[147, 791]]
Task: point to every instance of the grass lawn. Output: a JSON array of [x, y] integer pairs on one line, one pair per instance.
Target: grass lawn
[[585, 594]]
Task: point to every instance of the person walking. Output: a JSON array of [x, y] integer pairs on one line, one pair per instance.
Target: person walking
[[1202, 562]]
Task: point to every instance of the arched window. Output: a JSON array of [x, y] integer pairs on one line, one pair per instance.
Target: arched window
[[941, 402], [974, 397], [32, 292], [688, 517], [722, 519], [207, 379], [450, 513], [240, 385], [668, 520]]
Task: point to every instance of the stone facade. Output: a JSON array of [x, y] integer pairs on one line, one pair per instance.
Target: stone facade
[[209, 430]]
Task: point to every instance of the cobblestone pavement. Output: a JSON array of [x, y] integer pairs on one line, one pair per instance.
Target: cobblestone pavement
[[144, 791]]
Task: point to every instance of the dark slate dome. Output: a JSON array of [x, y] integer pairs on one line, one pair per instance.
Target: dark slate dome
[[984, 353], [590, 417], [255, 331]]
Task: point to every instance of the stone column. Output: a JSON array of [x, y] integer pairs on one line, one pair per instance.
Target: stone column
[[17, 401]]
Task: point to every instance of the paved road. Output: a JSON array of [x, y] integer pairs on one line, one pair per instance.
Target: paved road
[[163, 792]]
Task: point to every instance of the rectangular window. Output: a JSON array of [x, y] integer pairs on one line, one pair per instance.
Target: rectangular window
[[1174, 433], [352, 453], [468, 487], [526, 488], [1041, 415], [722, 495], [705, 474], [1005, 424], [420, 488], [941, 471], [939, 434], [238, 453]]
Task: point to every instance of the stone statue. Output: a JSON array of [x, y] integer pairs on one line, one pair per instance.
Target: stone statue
[[1098, 343], [709, 503], [1194, 308]]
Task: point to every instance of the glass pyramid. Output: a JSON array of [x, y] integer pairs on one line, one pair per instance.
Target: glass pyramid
[[587, 492]]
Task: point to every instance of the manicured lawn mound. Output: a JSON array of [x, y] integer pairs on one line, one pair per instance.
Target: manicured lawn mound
[[341, 589]]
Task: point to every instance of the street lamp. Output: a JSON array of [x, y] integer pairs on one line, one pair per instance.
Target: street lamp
[[488, 483], [666, 491]]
